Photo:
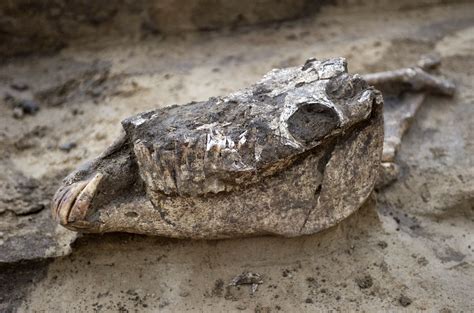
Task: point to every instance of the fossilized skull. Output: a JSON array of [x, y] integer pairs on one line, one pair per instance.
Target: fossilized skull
[[293, 154]]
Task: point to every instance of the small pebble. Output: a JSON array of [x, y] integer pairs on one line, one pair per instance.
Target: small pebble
[[423, 261], [404, 301], [18, 113], [76, 111], [28, 106], [184, 294], [100, 136], [365, 282], [19, 86], [68, 146]]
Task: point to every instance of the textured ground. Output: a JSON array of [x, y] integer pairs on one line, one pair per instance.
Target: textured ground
[[412, 251]]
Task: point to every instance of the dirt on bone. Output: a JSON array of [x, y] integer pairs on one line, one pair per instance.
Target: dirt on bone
[[205, 155], [312, 122]]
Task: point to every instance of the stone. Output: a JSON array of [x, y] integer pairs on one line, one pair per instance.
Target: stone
[[291, 155], [27, 230]]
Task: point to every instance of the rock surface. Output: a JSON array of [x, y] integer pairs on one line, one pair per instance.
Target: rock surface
[[28, 26], [27, 231]]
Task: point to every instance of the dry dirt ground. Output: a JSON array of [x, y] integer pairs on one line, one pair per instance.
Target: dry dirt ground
[[410, 248]]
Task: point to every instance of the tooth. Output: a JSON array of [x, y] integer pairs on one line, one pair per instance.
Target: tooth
[[65, 206], [58, 198], [83, 200], [59, 203]]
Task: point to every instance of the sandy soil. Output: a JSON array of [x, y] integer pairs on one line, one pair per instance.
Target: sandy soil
[[413, 250]]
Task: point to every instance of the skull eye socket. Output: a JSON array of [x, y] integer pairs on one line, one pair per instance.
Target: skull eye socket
[[311, 122]]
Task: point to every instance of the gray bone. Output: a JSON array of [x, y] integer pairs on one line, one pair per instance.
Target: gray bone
[[294, 154]]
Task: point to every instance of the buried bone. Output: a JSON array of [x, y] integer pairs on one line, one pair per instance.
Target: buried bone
[[293, 154], [404, 91]]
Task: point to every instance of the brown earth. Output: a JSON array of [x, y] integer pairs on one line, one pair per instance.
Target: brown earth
[[413, 250]]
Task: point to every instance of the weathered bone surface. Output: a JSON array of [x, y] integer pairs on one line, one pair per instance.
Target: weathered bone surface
[[404, 91], [294, 154]]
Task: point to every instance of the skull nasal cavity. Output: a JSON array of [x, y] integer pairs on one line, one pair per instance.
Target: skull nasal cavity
[[312, 122]]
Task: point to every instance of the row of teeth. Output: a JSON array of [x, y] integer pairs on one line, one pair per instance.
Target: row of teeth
[[78, 195]]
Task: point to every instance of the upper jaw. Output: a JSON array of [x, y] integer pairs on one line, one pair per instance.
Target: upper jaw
[[72, 203]]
